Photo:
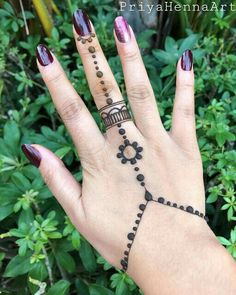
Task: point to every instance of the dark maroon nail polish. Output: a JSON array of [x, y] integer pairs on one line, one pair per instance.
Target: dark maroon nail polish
[[122, 29], [187, 60], [81, 23], [44, 55], [32, 154]]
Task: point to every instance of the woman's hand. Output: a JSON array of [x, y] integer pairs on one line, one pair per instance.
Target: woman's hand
[[134, 163]]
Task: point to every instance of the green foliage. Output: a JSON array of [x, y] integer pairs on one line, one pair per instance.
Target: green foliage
[[39, 247]]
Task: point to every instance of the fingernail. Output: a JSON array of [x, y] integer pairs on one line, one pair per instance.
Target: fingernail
[[122, 29], [44, 55], [81, 23], [187, 60], [32, 154]]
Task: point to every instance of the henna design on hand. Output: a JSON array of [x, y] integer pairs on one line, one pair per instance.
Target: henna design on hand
[[114, 114], [129, 152], [83, 40], [99, 73]]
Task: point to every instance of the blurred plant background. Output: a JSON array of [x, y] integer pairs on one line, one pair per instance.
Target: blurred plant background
[[40, 250]]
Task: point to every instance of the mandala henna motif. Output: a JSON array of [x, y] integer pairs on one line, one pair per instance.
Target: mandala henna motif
[[129, 152], [114, 114]]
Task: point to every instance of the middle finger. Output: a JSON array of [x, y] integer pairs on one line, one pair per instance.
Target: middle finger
[[102, 83]]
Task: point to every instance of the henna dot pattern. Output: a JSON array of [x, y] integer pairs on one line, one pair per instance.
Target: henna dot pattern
[[109, 101], [140, 177], [89, 39], [99, 74], [122, 131], [91, 49], [115, 114], [129, 152]]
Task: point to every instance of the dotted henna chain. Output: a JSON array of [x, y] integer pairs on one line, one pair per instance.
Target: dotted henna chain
[[114, 114]]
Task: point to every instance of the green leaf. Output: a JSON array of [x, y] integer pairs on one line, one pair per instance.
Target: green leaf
[[12, 136], [87, 256], [224, 241], [23, 248], [66, 261], [5, 211], [26, 216], [21, 181], [75, 238], [189, 42], [225, 207], [165, 57], [61, 287], [18, 266], [212, 198], [230, 213], [63, 151], [38, 271], [82, 287], [99, 290], [54, 235], [168, 70], [2, 256], [171, 46]]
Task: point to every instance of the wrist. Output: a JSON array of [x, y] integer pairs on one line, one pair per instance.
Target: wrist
[[174, 251]]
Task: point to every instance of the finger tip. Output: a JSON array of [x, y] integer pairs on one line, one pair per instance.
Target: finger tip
[[185, 62], [44, 56]]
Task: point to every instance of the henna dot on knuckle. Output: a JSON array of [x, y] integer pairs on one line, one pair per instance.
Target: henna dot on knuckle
[[103, 90]]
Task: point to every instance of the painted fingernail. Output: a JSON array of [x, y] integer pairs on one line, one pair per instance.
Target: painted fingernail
[[122, 29], [81, 23], [187, 60], [32, 154], [44, 55]]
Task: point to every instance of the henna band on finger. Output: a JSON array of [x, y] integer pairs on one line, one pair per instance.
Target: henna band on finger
[[114, 114]]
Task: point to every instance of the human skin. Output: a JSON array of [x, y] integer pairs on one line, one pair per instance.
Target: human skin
[[173, 252]]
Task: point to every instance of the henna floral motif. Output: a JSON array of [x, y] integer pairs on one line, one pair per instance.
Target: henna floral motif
[[129, 152]]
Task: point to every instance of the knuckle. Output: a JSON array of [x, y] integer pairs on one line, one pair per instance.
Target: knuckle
[[55, 78], [49, 173], [70, 110], [185, 84], [99, 90], [186, 111], [48, 177], [131, 56], [96, 160], [138, 93]]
